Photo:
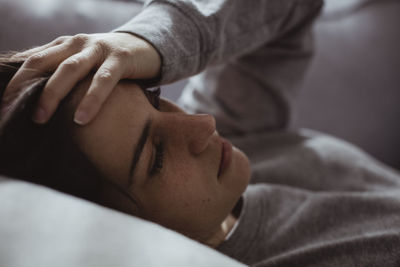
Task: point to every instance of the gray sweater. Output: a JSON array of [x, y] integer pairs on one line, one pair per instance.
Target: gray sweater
[[313, 200]]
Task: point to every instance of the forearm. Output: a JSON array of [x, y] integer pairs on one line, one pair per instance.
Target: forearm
[[192, 35], [256, 92]]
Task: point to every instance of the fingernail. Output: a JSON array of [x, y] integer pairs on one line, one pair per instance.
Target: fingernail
[[40, 115], [81, 117]]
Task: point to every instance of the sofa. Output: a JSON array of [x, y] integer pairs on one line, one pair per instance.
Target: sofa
[[350, 91], [352, 84]]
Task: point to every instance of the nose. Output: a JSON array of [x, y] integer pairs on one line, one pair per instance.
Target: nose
[[195, 131]]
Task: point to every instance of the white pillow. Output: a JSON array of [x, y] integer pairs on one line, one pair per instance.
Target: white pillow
[[43, 227]]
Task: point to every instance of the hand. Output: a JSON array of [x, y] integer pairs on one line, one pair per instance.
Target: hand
[[115, 56]]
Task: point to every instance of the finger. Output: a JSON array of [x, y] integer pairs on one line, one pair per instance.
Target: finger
[[37, 49], [39, 64], [67, 75], [102, 85], [24, 73], [46, 60]]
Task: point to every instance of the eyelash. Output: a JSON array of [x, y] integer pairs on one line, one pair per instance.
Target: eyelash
[[158, 160], [154, 99]]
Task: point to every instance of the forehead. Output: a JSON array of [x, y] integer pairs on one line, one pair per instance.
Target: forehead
[[110, 138]]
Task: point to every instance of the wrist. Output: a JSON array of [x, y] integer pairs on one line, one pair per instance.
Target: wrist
[[146, 57]]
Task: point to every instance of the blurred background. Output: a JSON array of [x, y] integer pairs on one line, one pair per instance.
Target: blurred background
[[352, 89]]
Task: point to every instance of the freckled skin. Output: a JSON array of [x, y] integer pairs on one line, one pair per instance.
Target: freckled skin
[[186, 196]]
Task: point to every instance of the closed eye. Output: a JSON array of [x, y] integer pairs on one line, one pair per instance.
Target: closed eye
[[158, 160], [158, 155]]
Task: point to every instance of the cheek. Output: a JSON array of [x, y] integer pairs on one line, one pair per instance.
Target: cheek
[[186, 174], [188, 182], [187, 200], [184, 186]]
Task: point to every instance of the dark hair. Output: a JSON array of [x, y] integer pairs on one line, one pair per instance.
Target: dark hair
[[44, 154]]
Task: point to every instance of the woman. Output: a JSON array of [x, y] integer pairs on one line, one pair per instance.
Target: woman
[[313, 200], [145, 147]]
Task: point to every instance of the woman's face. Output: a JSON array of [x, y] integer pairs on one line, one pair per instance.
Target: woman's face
[[167, 160]]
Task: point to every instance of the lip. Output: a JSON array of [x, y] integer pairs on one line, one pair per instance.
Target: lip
[[226, 156]]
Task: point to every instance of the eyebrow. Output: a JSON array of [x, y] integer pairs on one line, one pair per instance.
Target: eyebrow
[[138, 151]]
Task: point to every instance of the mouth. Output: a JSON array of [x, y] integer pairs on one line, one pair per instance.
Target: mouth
[[226, 156]]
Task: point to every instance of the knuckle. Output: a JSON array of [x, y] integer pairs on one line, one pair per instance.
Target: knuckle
[[36, 59], [104, 75], [100, 43], [71, 64], [101, 49], [61, 39], [80, 38], [98, 51], [104, 45]]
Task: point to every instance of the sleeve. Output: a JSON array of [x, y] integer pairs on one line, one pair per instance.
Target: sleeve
[[256, 92], [191, 35]]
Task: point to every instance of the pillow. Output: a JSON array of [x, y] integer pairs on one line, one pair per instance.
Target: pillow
[[43, 227]]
